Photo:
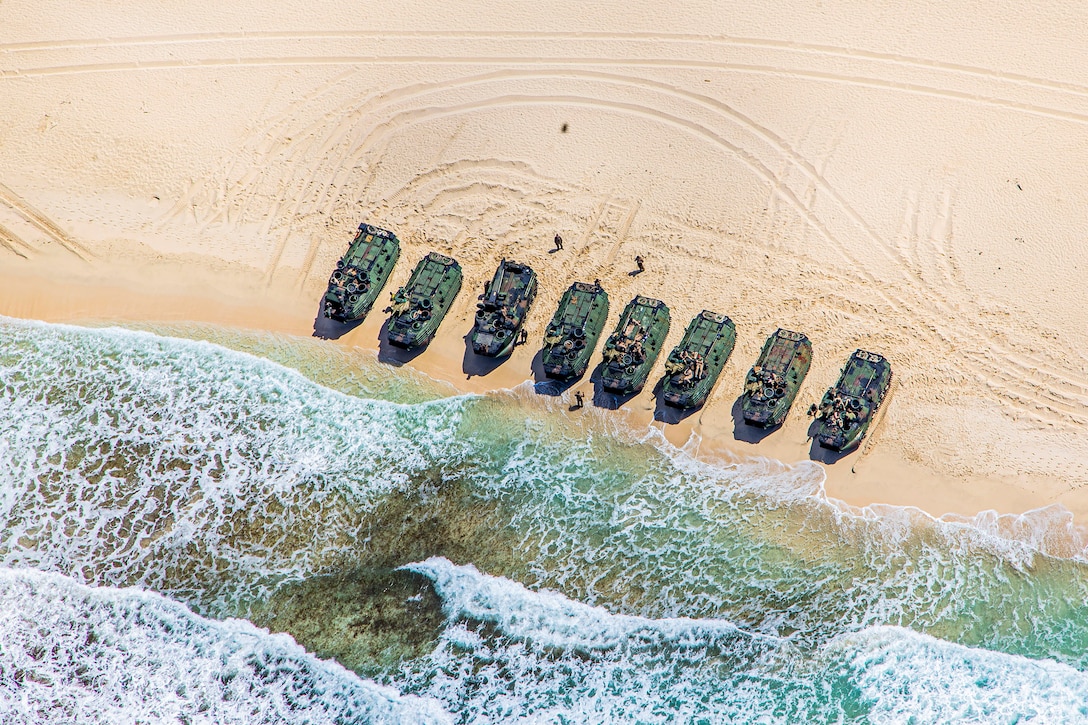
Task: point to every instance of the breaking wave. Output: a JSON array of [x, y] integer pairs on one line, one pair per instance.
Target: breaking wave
[[185, 467], [625, 579], [70, 653], [508, 652]]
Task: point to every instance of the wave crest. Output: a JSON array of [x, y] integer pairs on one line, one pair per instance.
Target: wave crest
[[71, 653]]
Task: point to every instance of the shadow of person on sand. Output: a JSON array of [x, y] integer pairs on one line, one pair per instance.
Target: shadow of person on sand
[[818, 453], [668, 414], [393, 355], [748, 433], [474, 364], [543, 385], [327, 328]]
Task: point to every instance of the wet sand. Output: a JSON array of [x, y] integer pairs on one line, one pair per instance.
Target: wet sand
[[902, 180], [179, 293]]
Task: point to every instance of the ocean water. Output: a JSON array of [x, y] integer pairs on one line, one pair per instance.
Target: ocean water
[[204, 525]]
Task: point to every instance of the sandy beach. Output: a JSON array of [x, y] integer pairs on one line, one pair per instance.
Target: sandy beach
[[905, 181]]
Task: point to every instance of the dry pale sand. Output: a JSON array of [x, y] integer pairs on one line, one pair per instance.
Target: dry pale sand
[[905, 178]]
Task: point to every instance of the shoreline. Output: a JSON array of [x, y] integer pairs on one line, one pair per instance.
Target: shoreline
[[193, 451], [915, 197], [871, 476]]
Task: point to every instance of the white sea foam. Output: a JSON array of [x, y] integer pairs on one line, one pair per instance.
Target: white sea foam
[[355, 371], [909, 677], [135, 459], [1018, 538], [609, 520], [550, 619], [214, 476], [510, 652], [71, 653]]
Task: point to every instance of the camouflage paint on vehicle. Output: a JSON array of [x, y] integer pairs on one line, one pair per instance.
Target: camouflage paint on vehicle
[[847, 409], [501, 311], [631, 350], [694, 365], [360, 274], [419, 306], [772, 384], [574, 330]]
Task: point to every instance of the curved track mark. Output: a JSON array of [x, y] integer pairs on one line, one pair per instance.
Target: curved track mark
[[856, 80], [983, 363], [821, 49]]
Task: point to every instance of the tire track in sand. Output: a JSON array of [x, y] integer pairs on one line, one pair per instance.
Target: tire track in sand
[[714, 107], [398, 121], [654, 40], [14, 244], [753, 68], [455, 181], [890, 60], [41, 222], [987, 371]]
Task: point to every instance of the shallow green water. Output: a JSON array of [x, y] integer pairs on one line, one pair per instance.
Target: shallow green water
[[559, 568]]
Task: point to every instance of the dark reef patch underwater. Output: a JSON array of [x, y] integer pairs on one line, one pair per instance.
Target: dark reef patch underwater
[[164, 502]]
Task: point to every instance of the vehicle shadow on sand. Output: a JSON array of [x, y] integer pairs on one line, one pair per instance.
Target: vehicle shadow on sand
[[818, 453], [393, 355], [474, 364], [543, 385], [667, 414], [327, 328], [748, 433]]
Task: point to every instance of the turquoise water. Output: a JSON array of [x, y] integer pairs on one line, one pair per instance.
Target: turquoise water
[[440, 558]]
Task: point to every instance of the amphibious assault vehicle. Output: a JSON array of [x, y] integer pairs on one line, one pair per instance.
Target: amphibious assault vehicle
[[502, 310], [419, 306], [360, 274], [693, 366], [773, 382], [574, 330], [848, 408], [631, 350]]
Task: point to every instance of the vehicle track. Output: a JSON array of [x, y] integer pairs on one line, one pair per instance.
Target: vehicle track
[[384, 129], [852, 54], [267, 139], [315, 190], [462, 179], [431, 112], [985, 372], [814, 175], [1057, 386], [754, 68], [456, 169], [40, 221], [14, 244]]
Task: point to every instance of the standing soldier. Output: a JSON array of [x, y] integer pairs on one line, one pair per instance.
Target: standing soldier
[[558, 242], [579, 399], [641, 264]]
